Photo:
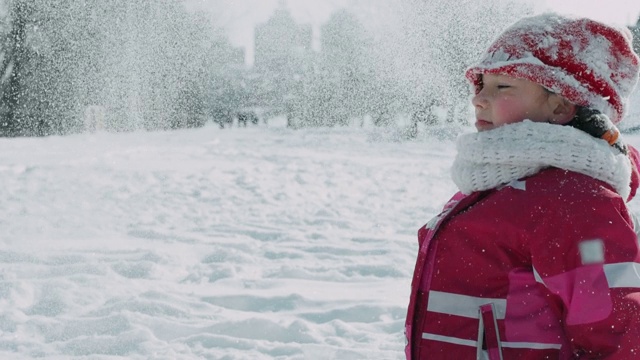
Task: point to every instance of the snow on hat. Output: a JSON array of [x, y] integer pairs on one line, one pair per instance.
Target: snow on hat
[[588, 63]]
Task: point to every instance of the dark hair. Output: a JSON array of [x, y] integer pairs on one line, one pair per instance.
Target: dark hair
[[598, 125]]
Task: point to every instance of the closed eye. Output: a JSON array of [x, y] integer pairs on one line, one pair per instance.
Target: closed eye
[[504, 86]]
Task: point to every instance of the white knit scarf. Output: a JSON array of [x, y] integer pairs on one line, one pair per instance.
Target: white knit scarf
[[489, 159]]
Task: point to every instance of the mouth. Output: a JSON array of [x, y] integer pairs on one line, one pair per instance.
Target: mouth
[[483, 124]]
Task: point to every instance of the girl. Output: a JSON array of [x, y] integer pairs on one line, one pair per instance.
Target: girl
[[536, 257]]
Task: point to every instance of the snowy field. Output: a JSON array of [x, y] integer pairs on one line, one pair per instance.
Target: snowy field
[[258, 243]]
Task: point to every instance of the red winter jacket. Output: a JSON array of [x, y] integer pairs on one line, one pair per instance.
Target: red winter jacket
[[544, 268]]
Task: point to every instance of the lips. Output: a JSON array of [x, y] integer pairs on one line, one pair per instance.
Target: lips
[[482, 125]]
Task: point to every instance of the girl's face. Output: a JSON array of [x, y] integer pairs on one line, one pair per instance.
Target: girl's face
[[506, 100]]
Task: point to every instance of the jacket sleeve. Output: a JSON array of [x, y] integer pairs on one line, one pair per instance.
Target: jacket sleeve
[[586, 256]]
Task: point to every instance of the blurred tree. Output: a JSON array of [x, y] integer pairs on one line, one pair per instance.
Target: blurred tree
[[145, 62], [282, 57], [230, 88], [340, 85], [421, 49], [27, 89], [345, 45], [15, 55], [157, 66]]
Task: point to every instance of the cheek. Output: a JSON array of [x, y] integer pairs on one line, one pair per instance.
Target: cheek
[[509, 111]]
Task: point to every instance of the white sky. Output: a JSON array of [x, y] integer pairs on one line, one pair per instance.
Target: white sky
[[239, 16], [621, 12]]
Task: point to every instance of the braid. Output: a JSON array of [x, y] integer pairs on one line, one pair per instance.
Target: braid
[[598, 125]]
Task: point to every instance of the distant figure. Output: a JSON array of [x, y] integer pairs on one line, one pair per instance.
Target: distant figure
[[222, 117], [242, 119], [254, 118], [247, 116]]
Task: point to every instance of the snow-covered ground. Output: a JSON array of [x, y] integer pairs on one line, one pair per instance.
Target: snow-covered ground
[[258, 243]]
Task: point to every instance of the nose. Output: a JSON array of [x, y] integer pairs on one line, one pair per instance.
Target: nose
[[480, 100]]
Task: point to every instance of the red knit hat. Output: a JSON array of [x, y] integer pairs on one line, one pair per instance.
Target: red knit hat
[[588, 63]]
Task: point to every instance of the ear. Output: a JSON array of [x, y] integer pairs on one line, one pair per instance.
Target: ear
[[563, 109]]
